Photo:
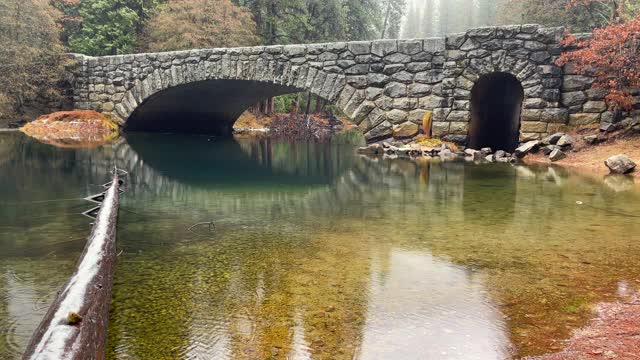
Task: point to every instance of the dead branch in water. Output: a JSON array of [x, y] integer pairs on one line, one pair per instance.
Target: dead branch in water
[[212, 227], [87, 294]]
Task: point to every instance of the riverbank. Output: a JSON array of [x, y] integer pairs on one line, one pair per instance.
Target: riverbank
[[590, 158], [613, 334], [79, 128], [318, 126]]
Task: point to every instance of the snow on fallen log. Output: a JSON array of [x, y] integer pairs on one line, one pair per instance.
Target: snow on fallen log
[[75, 327]]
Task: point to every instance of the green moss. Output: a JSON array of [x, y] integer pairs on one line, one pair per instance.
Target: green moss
[[73, 318]]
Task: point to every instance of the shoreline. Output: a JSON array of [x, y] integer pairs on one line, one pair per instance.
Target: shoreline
[[612, 333], [589, 160]]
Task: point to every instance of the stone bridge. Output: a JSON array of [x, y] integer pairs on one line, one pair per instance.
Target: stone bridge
[[487, 86]]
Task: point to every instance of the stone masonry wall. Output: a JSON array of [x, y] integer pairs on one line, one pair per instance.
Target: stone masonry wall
[[385, 86]]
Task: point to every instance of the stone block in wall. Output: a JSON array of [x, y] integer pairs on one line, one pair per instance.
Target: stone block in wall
[[397, 58], [410, 47], [594, 106], [439, 129], [454, 41], [556, 128], [459, 128], [384, 103], [416, 116], [405, 130], [576, 82], [440, 115], [397, 116], [384, 47], [534, 103], [596, 94], [382, 131], [395, 90], [462, 105], [573, 98], [551, 95], [584, 119], [555, 115], [608, 117], [416, 67], [531, 114], [405, 103], [432, 102], [418, 90], [459, 115], [533, 126], [392, 68], [359, 47], [524, 137]]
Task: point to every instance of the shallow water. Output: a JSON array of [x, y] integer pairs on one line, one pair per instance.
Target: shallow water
[[317, 253]]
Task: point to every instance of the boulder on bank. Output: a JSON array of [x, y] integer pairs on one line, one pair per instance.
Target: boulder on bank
[[373, 149], [552, 139], [80, 128], [620, 164], [528, 147], [557, 155], [565, 141]]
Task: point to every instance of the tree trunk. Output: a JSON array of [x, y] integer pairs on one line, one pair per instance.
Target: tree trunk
[[386, 19], [306, 111], [319, 104]]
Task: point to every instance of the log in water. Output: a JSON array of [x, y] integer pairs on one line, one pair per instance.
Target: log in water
[[75, 327]]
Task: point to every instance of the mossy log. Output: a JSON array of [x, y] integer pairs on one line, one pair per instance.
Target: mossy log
[[75, 326]]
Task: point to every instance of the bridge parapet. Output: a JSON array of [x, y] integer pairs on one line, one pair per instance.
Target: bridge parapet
[[384, 86]]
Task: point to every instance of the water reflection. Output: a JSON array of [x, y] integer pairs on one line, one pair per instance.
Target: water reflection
[[317, 253], [434, 309]]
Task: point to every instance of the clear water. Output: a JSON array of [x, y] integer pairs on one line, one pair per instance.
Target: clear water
[[317, 253]]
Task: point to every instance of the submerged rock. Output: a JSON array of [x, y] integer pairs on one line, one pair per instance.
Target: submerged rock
[[620, 164]]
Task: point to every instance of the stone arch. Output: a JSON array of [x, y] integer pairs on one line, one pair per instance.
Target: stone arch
[[496, 105], [525, 52], [168, 88]]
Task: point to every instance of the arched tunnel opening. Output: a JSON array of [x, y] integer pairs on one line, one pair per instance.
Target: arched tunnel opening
[[496, 106], [204, 107]]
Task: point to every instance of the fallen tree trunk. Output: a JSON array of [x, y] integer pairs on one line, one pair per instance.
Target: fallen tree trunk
[[75, 327]]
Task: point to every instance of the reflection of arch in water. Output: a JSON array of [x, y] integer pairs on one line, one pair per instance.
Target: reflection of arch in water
[[204, 162], [487, 189]]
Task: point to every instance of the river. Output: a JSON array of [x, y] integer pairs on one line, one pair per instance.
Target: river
[[316, 253]]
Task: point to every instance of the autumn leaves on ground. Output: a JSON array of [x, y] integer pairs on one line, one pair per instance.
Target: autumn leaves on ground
[[80, 128]]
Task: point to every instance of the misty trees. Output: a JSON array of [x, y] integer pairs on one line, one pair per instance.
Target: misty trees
[[412, 25], [393, 12], [440, 17], [188, 24], [31, 55]]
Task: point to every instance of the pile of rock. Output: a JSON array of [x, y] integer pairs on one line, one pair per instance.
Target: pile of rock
[[444, 151], [487, 154], [554, 146]]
